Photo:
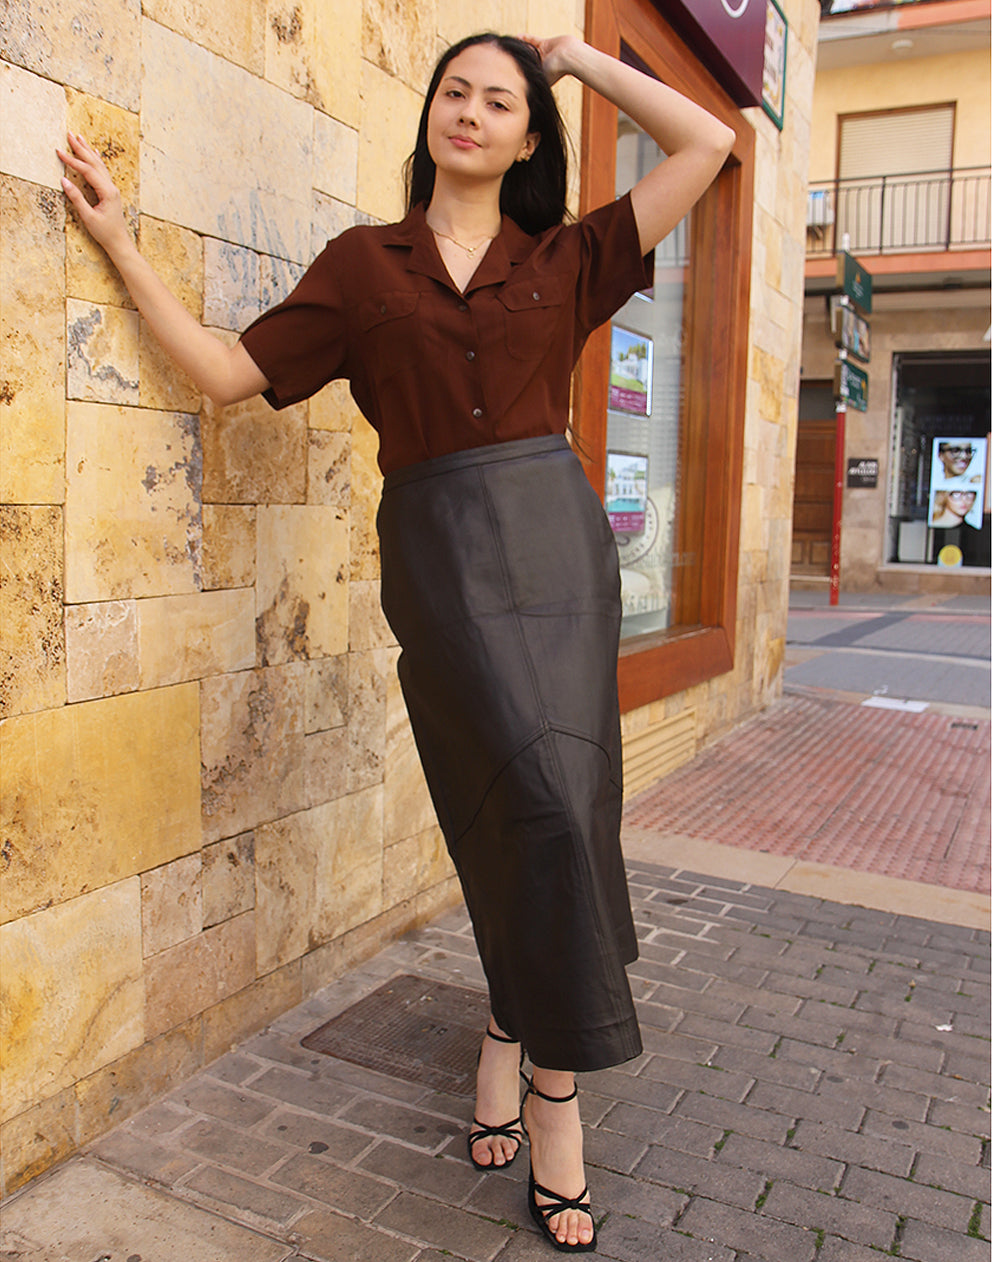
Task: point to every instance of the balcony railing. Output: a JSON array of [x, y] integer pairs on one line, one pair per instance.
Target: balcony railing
[[897, 214]]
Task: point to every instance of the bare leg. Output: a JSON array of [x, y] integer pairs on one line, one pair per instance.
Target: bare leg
[[555, 1132], [497, 1098]]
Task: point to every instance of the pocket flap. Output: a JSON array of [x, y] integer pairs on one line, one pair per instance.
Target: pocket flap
[[384, 307], [528, 295]]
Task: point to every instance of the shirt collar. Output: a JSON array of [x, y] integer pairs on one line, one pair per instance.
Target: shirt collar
[[512, 246]]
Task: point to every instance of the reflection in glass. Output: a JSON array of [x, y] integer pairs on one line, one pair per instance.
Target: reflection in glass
[[645, 409]]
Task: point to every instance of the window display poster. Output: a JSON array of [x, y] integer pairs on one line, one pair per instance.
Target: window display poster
[[631, 363], [626, 492], [957, 482]]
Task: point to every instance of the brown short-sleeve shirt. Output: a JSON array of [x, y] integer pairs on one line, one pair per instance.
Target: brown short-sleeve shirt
[[436, 370]]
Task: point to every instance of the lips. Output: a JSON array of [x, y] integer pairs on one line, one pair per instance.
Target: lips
[[463, 142]]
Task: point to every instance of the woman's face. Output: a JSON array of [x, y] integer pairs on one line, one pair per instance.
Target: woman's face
[[960, 502], [477, 123], [955, 458]]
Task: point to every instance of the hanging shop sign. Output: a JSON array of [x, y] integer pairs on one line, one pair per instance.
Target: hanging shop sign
[[851, 331], [862, 473], [851, 385], [728, 37], [854, 280]]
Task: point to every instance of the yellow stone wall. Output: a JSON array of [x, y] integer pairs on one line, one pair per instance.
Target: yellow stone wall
[[211, 803]]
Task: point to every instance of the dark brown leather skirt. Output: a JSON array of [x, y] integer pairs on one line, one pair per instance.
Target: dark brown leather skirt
[[500, 582]]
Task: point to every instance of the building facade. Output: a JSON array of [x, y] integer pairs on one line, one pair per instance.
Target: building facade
[[211, 800], [899, 164]]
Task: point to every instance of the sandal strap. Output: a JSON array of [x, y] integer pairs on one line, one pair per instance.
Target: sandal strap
[[551, 1099], [509, 1130], [562, 1203], [499, 1038]]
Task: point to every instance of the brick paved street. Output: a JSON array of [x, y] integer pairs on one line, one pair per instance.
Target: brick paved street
[[814, 1089]]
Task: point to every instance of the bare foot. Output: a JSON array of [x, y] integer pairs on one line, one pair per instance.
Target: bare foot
[[555, 1133], [497, 1100]]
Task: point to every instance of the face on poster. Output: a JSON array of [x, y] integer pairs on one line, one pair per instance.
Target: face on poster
[[957, 482]]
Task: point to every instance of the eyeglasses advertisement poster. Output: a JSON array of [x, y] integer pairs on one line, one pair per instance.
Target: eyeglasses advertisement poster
[[957, 483]]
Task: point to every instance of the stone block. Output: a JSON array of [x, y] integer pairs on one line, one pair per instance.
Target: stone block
[[333, 408], [330, 217], [194, 975], [277, 278], [36, 1139], [233, 1019], [101, 648], [230, 285], [252, 749], [96, 792], [335, 158], [133, 522], [202, 168], [32, 122], [94, 47], [228, 546], [366, 488], [72, 995], [252, 457], [329, 469], [313, 51], [32, 343], [120, 1089], [367, 676], [114, 134], [191, 637], [408, 808], [390, 112], [415, 864], [318, 874], [33, 676], [232, 28], [401, 41], [301, 589], [171, 904], [326, 693], [367, 625], [228, 879], [102, 353]]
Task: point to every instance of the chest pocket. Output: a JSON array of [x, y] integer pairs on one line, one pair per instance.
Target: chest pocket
[[532, 310], [388, 333]]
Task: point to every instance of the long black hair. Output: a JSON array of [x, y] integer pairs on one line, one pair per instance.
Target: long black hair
[[532, 193]]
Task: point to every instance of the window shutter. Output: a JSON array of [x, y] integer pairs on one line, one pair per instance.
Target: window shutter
[[896, 143]]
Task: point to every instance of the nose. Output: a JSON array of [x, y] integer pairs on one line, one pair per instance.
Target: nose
[[467, 114]]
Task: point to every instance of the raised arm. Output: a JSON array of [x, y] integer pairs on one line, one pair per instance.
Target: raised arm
[[696, 143], [226, 374]]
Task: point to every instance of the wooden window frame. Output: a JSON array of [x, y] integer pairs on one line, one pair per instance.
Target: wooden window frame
[[711, 441]]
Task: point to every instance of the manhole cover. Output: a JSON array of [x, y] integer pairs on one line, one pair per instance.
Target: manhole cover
[[411, 1028]]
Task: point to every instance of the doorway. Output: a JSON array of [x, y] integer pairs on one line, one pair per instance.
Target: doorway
[[813, 498]]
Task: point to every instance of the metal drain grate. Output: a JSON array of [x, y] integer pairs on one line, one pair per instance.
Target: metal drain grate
[[411, 1028]]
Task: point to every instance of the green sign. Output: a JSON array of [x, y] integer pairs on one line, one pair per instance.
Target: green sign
[[851, 385], [854, 280]]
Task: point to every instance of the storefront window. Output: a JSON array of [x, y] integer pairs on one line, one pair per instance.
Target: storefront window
[[939, 491], [645, 413]]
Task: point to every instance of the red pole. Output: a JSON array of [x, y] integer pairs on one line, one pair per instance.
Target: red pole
[[838, 502]]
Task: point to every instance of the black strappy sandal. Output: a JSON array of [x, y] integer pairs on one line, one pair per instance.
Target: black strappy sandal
[[512, 1131], [541, 1213]]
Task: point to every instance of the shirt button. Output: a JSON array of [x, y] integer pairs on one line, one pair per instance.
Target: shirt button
[[477, 412], [470, 354], [382, 309], [536, 296], [463, 306]]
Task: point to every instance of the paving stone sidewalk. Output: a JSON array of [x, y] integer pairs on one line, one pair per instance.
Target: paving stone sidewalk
[[814, 1088]]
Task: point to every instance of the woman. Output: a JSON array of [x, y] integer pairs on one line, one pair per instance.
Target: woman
[[951, 507], [457, 330]]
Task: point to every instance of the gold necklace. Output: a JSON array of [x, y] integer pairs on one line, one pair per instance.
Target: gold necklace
[[469, 249]]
